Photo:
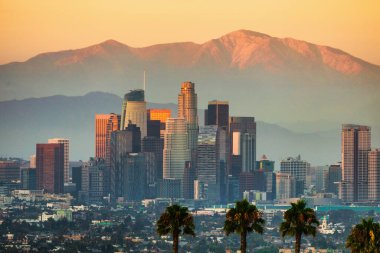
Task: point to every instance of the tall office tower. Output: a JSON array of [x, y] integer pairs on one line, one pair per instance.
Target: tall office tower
[[170, 188], [154, 128], [91, 180], [105, 124], [296, 168], [134, 111], [32, 162], [187, 109], [162, 115], [233, 189], [265, 164], [334, 178], [66, 165], [50, 167], [151, 182], [133, 176], [285, 186], [9, 176], [77, 178], [176, 148], [243, 144], [374, 175], [321, 175], [28, 178], [246, 180], [122, 143], [217, 113], [356, 143], [188, 181], [155, 145], [208, 161]]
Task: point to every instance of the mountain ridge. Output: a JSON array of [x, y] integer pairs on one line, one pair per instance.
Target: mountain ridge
[[257, 73]]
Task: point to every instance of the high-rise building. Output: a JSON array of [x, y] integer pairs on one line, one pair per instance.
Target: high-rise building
[[176, 148], [374, 175], [159, 114], [9, 176], [104, 125], [133, 176], [208, 160], [217, 113], [154, 128], [77, 177], [188, 181], [265, 164], [123, 142], [170, 188], [321, 175], [50, 167], [162, 115], [91, 180], [334, 178], [66, 165], [187, 109], [28, 178], [134, 111], [296, 168], [243, 144], [155, 145], [285, 186], [356, 143], [32, 162]]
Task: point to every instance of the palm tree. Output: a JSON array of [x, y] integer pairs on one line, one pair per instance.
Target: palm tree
[[176, 220], [364, 237], [299, 220], [244, 218]]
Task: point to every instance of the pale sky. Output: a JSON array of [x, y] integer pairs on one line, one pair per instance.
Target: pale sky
[[31, 27]]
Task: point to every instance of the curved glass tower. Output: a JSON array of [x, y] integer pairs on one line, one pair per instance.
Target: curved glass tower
[[134, 111]]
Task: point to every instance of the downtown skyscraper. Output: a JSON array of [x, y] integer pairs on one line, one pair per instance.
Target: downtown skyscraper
[[176, 149], [243, 145], [50, 167], [66, 165], [187, 109], [134, 111], [356, 143]]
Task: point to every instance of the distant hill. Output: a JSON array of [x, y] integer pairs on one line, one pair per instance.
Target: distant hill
[[275, 79], [27, 122]]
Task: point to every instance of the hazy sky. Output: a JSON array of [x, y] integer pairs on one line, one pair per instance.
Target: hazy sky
[[31, 27]]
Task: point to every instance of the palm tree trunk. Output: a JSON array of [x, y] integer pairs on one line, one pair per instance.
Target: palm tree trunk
[[175, 242], [243, 242], [297, 247]]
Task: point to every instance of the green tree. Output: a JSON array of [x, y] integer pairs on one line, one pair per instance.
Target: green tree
[[176, 220], [364, 237], [242, 219], [299, 220]]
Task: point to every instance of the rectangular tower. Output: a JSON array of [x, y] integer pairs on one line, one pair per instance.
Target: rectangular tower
[[50, 167], [356, 143], [66, 150], [374, 175]]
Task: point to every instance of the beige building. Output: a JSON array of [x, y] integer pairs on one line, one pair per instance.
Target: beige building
[[374, 175], [356, 143]]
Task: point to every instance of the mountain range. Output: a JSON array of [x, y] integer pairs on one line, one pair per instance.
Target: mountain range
[[299, 92], [274, 79]]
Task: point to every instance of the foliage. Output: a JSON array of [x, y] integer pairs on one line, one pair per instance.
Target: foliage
[[176, 220], [299, 220], [364, 237], [244, 218]]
